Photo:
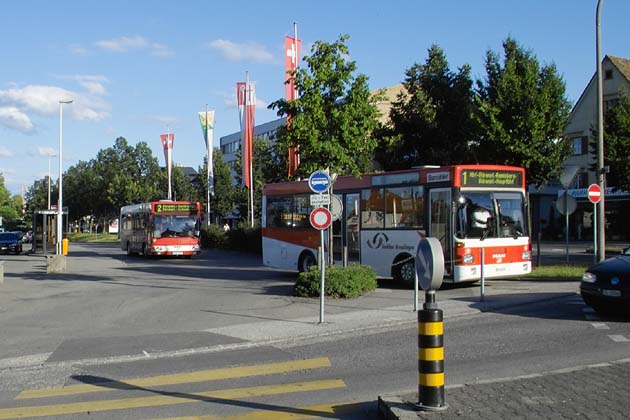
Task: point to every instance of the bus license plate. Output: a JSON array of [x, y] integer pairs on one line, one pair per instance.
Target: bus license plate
[[611, 293], [178, 253]]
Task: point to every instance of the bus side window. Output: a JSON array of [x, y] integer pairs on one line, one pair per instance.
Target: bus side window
[[372, 206]]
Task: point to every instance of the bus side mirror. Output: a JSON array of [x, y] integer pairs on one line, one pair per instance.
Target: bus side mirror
[[197, 233], [157, 233]]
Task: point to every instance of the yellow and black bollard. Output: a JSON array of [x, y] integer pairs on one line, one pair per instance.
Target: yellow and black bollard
[[431, 356]]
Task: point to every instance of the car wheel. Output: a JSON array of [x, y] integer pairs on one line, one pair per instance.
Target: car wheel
[[306, 261]]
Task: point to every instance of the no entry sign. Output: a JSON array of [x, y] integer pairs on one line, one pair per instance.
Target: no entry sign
[[320, 218], [594, 193]]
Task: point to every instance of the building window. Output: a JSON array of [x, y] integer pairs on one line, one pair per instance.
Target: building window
[[608, 104], [608, 74], [579, 146]]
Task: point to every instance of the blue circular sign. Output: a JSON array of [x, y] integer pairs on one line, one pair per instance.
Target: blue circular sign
[[319, 182]]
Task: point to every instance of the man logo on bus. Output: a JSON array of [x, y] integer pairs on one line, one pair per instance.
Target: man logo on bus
[[378, 240]]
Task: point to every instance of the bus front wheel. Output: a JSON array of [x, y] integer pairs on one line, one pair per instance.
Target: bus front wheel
[[306, 261], [404, 270], [129, 253]]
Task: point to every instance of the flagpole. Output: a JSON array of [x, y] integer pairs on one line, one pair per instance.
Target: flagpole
[[168, 163], [248, 92], [295, 57], [208, 163]]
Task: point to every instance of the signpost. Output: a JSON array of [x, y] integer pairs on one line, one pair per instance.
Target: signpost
[[321, 218], [319, 182], [594, 196]]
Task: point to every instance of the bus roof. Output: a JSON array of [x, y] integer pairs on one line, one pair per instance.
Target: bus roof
[[475, 175]]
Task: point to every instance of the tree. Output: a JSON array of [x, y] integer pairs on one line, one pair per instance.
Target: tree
[[522, 111], [617, 143], [432, 121], [37, 195], [334, 117], [183, 189], [9, 212], [127, 175], [222, 202], [267, 168], [80, 193]]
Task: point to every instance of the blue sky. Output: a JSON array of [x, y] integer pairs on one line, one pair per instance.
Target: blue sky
[[134, 68]]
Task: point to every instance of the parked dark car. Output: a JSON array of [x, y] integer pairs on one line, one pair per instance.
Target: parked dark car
[[606, 286], [10, 242]]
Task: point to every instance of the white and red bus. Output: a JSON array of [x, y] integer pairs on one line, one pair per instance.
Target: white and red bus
[[467, 207], [160, 228]]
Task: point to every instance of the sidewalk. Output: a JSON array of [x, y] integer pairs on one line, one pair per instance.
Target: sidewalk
[[591, 392]]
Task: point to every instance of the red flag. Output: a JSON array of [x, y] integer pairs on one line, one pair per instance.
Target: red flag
[[290, 64], [167, 146], [292, 48], [246, 94]]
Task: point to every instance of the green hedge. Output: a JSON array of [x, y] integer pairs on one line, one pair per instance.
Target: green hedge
[[242, 238], [350, 282]]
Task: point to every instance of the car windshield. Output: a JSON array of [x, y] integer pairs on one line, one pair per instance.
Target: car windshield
[[172, 226], [8, 236], [491, 215]]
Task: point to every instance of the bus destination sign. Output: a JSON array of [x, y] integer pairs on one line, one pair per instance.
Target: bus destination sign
[[490, 178], [188, 208]]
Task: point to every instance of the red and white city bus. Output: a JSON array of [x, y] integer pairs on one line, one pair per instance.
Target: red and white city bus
[[160, 228], [467, 207]]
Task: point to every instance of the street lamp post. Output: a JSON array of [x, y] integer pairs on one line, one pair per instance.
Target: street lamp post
[[601, 176], [60, 202]]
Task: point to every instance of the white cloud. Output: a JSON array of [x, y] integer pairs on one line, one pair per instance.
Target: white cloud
[[164, 119], [78, 50], [249, 51], [46, 151], [123, 44], [15, 119], [44, 100], [161, 50], [130, 43], [4, 152], [94, 84]]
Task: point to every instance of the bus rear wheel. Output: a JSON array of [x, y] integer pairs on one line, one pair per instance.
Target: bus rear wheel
[[306, 261], [404, 270]]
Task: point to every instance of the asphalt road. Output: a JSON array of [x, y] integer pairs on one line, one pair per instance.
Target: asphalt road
[[221, 336]]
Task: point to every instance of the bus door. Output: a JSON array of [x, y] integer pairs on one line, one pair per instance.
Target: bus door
[[351, 222], [440, 222]]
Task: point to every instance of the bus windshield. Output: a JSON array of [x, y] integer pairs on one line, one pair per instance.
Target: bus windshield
[[175, 226], [483, 215]]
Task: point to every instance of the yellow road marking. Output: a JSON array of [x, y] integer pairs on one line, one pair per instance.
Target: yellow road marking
[[289, 413], [173, 399], [180, 378], [432, 379], [431, 328]]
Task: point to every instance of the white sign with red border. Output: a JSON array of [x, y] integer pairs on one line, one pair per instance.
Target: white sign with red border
[[320, 218], [594, 193]]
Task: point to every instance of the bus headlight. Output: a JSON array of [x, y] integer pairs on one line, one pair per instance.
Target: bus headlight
[[526, 255], [159, 248], [468, 258]]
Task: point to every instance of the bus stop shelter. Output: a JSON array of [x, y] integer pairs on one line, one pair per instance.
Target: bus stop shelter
[[45, 230]]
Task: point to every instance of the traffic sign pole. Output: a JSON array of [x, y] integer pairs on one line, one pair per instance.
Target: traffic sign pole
[[594, 233], [322, 280], [594, 196]]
